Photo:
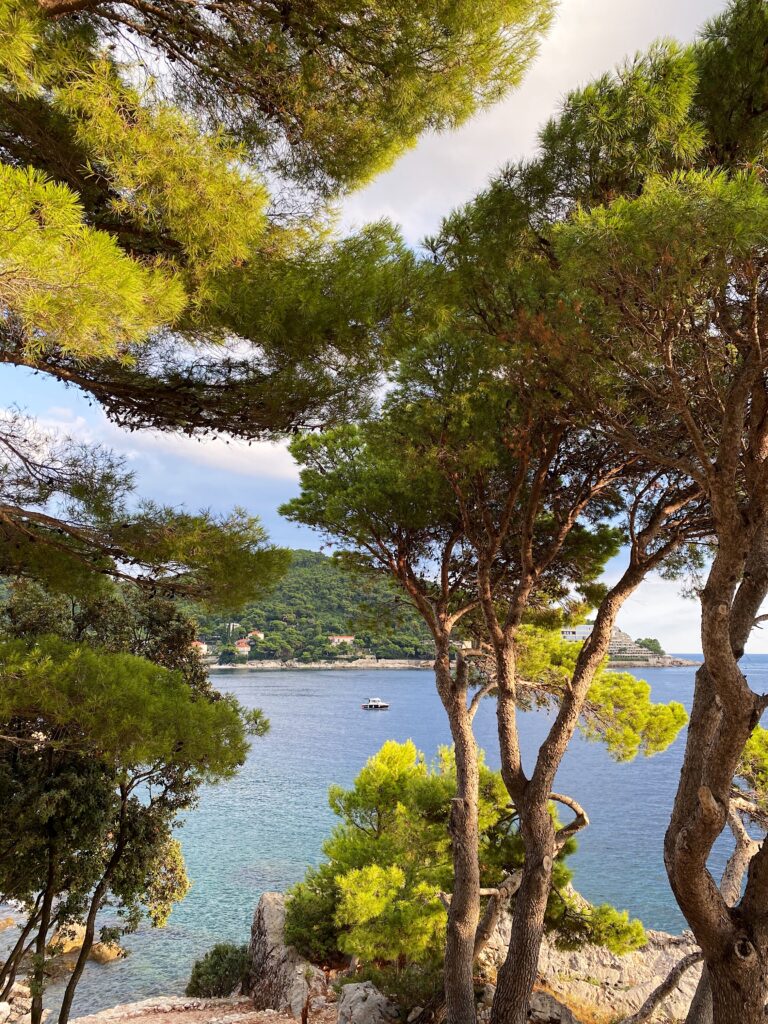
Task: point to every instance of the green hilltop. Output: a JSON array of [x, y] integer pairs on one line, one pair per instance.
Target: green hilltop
[[315, 600]]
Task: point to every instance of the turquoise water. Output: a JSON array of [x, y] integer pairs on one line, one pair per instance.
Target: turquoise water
[[260, 831]]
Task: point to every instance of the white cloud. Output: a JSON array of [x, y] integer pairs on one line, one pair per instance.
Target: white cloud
[[587, 38], [260, 459]]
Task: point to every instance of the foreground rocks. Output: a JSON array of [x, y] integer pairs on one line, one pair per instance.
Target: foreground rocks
[[17, 1009], [279, 978], [362, 1003], [70, 938], [544, 1008], [184, 1010], [606, 986]]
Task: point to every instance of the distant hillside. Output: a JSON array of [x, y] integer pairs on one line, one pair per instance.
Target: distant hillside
[[316, 600]]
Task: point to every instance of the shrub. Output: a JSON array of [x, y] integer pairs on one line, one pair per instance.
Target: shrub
[[219, 972]]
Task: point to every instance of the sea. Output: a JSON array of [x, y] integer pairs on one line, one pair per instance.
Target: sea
[[260, 831]]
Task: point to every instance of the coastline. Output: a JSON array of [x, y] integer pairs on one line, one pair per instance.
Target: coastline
[[398, 664], [322, 666], [668, 661]]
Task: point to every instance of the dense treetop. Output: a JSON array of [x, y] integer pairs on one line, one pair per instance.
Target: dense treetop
[[328, 94], [317, 598]]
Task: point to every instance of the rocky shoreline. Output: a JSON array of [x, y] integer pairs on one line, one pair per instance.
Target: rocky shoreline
[[589, 984], [392, 664], [323, 666]]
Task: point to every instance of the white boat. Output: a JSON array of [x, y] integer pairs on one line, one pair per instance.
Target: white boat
[[374, 704]]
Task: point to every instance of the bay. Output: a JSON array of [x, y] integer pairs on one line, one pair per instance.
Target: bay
[[259, 831]]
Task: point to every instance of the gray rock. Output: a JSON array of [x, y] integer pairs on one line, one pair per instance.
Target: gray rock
[[415, 1013], [362, 1003], [486, 998], [5, 1012], [545, 1009], [278, 978]]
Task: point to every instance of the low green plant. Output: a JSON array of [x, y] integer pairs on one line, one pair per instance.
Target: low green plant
[[219, 972]]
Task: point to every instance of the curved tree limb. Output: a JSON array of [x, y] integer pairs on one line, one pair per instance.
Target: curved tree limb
[[579, 822], [665, 988]]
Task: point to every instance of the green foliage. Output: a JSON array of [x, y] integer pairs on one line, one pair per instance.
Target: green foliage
[[732, 93], [151, 152], [116, 618], [101, 530], [100, 752], [408, 986], [317, 598], [618, 711], [122, 709], [376, 893], [172, 170], [578, 923], [46, 245], [753, 766], [219, 972], [651, 644], [327, 96], [622, 715]]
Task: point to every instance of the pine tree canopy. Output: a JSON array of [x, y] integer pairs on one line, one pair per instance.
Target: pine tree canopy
[[326, 94], [69, 517], [164, 123]]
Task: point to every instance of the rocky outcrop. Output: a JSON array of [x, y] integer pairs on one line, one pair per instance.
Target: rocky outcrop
[[604, 983], [17, 1009], [362, 1003], [278, 977], [70, 938], [545, 1009], [168, 1006]]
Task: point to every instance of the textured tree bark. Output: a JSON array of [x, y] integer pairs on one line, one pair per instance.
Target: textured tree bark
[[464, 907], [700, 1011], [734, 939], [518, 973], [739, 985]]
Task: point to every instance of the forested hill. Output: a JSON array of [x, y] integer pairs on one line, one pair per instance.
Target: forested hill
[[316, 600]]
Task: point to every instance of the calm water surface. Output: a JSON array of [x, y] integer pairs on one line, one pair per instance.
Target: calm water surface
[[260, 831]]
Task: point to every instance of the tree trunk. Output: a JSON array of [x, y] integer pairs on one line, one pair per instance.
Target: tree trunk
[[97, 899], [38, 973], [724, 713], [739, 987], [518, 973], [700, 1011], [11, 965], [464, 908]]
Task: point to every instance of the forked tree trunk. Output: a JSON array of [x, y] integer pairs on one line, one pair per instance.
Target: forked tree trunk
[[541, 841], [734, 939], [518, 973]]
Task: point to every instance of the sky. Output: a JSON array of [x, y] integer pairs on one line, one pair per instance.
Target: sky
[[442, 172]]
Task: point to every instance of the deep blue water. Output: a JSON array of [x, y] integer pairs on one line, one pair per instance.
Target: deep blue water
[[259, 831]]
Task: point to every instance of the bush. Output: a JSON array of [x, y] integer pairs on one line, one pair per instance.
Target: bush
[[219, 972]]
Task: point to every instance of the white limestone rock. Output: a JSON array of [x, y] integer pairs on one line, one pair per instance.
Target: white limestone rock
[[362, 1003], [279, 978], [593, 977]]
